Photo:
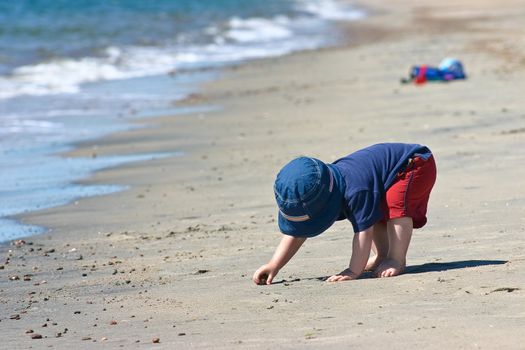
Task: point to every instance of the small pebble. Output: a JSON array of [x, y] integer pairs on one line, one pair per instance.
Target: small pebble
[[19, 242]]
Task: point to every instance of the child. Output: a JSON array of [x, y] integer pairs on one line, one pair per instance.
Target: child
[[383, 190]]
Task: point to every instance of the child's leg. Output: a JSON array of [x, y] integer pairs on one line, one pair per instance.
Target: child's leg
[[399, 235], [406, 201], [379, 246]]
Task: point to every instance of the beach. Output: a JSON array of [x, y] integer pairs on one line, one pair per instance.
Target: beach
[[168, 262]]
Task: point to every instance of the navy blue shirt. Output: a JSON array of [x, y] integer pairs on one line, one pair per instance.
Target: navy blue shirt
[[368, 174]]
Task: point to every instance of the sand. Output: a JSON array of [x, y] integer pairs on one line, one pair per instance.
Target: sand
[[168, 263]]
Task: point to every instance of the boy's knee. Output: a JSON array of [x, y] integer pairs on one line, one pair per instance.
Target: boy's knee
[[403, 222]]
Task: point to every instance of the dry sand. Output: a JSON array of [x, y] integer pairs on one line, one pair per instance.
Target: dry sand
[[172, 257]]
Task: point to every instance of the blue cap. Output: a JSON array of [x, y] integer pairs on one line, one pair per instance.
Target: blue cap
[[309, 195]]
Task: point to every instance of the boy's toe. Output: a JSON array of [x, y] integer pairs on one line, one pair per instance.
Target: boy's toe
[[386, 273]]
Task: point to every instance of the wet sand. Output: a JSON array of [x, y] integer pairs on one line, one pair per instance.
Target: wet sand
[[168, 263]]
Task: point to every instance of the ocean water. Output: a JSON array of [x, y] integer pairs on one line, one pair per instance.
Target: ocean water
[[77, 70]]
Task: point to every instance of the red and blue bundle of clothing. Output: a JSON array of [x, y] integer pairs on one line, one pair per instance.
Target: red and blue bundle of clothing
[[449, 69]]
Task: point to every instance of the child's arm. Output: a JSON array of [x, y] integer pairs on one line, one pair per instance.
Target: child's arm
[[283, 253], [361, 246]]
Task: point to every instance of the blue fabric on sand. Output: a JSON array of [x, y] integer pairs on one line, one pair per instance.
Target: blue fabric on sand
[[449, 69], [368, 173], [309, 194]]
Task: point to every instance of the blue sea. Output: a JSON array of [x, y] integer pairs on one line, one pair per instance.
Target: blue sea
[[77, 70]]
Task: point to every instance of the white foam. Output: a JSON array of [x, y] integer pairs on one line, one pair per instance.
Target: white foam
[[66, 75], [62, 76], [331, 10], [13, 123], [238, 39], [257, 30]]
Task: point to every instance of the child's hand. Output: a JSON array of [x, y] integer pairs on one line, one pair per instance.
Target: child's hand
[[344, 275], [283, 253], [265, 274]]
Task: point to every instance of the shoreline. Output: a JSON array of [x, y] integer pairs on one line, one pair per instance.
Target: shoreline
[[59, 174], [144, 119], [172, 257], [189, 105]]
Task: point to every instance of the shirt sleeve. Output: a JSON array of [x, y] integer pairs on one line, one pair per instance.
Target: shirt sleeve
[[364, 209]]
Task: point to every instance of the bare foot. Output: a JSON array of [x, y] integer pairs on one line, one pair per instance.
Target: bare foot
[[374, 262], [389, 268]]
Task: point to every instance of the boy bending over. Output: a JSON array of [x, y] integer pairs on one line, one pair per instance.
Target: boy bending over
[[383, 190]]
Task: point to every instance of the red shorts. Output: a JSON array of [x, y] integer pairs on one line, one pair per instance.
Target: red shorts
[[408, 196]]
